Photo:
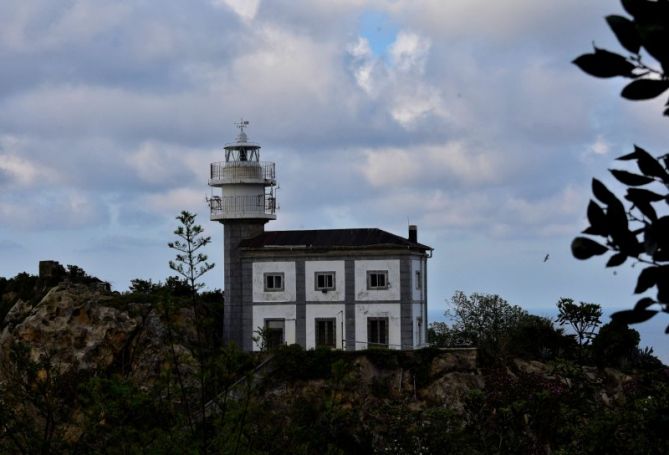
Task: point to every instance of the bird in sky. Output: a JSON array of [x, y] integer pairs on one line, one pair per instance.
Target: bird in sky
[[546, 258]]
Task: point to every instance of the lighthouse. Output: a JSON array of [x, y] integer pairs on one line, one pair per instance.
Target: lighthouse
[[246, 201]]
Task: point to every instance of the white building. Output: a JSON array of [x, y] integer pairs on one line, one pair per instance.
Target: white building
[[343, 288]]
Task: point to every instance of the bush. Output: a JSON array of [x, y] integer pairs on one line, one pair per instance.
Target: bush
[[616, 345], [536, 337]]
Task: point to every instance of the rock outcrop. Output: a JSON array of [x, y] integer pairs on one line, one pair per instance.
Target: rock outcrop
[[83, 327]]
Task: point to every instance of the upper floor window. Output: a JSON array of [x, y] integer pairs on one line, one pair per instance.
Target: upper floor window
[[274, 281], [324, 281], [377, 279], [419, 280]]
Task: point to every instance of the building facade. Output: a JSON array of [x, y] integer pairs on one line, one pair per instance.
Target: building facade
[[343, 288]]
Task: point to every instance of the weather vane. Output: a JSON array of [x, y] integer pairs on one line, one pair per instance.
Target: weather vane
[[241, 125]]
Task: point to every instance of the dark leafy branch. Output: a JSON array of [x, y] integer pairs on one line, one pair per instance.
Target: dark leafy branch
[[647, 32], [638, 227]]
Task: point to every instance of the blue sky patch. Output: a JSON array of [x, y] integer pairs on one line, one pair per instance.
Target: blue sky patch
[[379, 30]]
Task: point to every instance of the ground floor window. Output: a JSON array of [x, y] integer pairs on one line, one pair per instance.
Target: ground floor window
[[275, 330], [326, 332], [377, 332]]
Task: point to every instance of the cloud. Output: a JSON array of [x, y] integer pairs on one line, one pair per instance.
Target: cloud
[[409, 51], [174, 201], [245, 9], [453, 163], [399, 85], [38, 25], [600, 146], [162, 164], [19, 170], [7, 246], [63, 209]]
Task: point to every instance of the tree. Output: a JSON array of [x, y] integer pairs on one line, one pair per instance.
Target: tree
[[641, 230], [482, 318], [442, 335], [583, 318], [191, 265]]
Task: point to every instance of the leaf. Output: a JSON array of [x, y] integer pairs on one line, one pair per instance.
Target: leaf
[[602, 193], [663, 284], [643, 194], [629, 178], [630, 156], [616, 260], [644, 89], [603, 63], [633, 316], [650, 166], [647, 279], [643, 205], [644, 303], [626, 32], [584, 248], [650, 245], [597, 219], [616, 219], [654, 35]]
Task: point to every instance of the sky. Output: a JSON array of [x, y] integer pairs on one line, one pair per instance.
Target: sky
[[464, 117]]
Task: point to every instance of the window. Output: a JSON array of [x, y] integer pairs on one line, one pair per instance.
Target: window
[[377, 279], [377, 332], [326, 332], [273, 282], [324, 281], [419, 281], [274, 333]]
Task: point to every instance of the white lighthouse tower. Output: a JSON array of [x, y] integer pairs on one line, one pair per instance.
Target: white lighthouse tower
[[247, 201]]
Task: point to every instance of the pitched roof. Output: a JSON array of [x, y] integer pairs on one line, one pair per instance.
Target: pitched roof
[[331, 238]]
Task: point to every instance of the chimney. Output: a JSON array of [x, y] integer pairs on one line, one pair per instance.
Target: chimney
[[413, 233]]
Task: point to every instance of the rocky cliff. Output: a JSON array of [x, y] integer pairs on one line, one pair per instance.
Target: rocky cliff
[[85, 327]]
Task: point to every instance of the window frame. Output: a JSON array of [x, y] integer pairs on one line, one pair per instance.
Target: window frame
[[267, 275], [386, 332], [383, 273], [333, 321], [325, 274]]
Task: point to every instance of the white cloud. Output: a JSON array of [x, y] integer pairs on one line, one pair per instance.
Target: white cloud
[[173, 201], [600, 146], [166, 164], [398, 86], [20, 170], [364, 65], [55, 209], [453, 163], [245, 9], [409, 51]]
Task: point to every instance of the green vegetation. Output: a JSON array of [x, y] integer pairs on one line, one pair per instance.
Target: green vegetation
[[378, 401], [640, 232]]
